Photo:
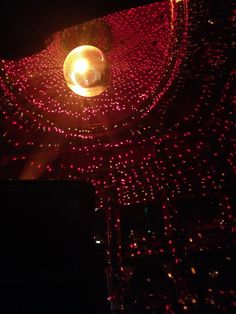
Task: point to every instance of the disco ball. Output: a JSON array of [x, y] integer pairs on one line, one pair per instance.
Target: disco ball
[[86, 71]]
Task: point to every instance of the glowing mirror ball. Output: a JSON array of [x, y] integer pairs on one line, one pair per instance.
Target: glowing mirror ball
[[86, 71]]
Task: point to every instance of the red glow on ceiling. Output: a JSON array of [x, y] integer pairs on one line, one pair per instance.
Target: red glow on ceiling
[[162, 125]]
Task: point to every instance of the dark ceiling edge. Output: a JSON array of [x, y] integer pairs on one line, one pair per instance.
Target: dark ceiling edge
[[26, 27]]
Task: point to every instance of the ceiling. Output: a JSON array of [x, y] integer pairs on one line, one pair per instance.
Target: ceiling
[[26, 25], [164, 125]]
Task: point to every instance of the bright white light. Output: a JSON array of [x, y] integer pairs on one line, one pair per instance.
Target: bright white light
[[81, 66]]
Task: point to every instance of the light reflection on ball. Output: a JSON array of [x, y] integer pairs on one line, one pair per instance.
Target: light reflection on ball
[[86, 71]]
